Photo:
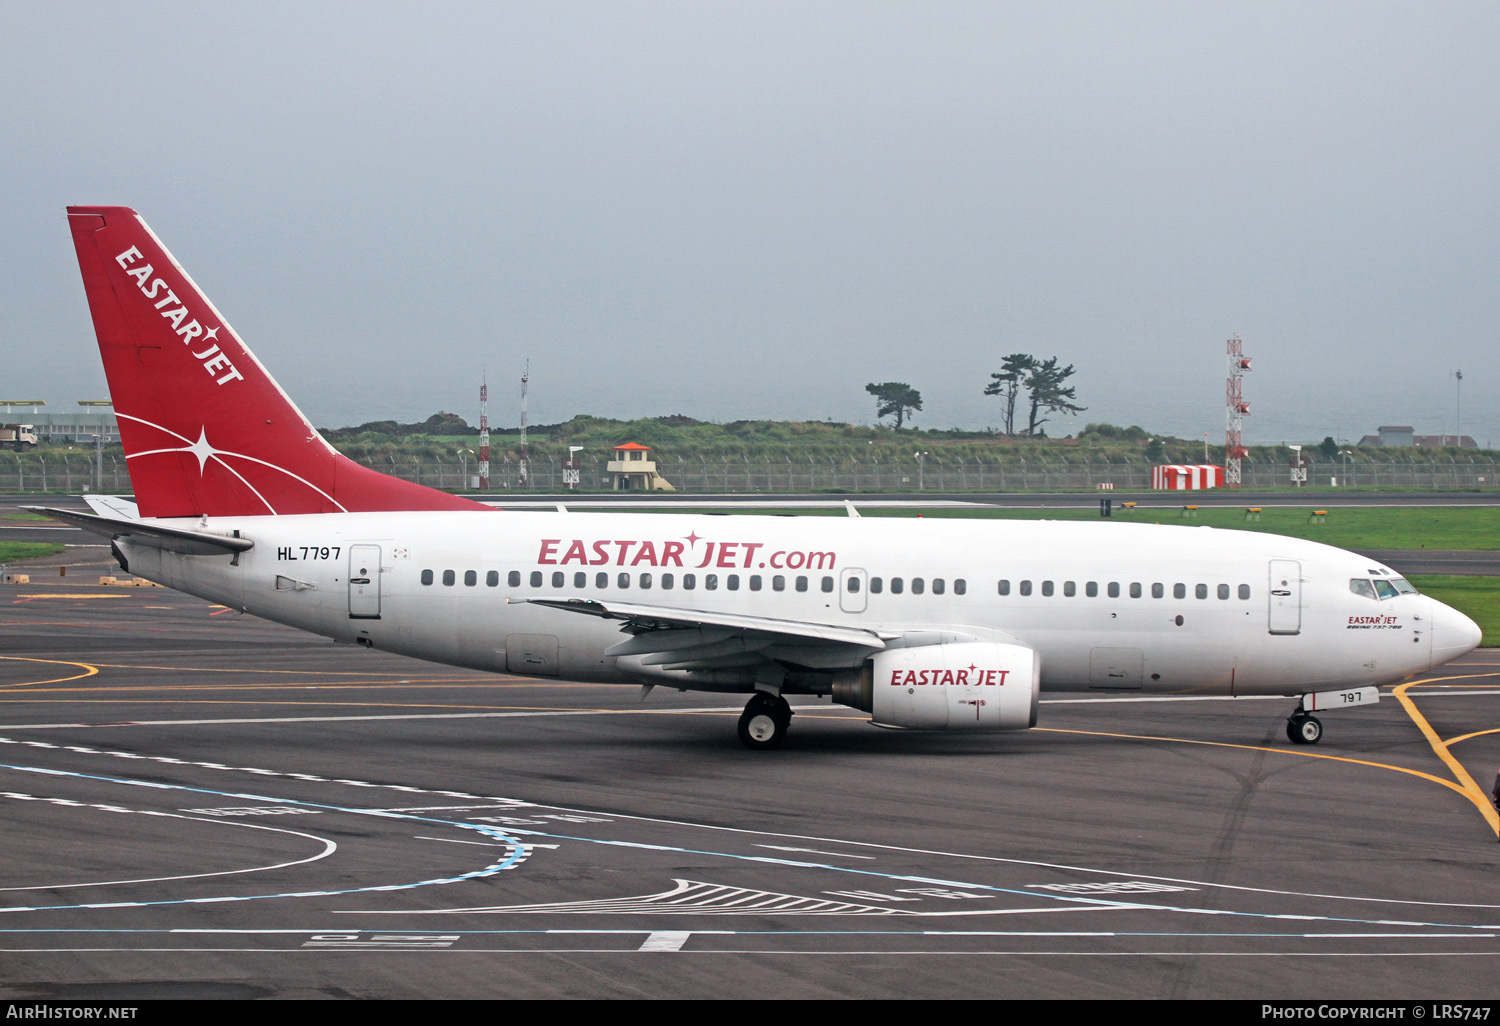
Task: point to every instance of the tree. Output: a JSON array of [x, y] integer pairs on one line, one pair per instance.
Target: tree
[[1007, 385], [894, 398], [1329, 448], [1047, 393]]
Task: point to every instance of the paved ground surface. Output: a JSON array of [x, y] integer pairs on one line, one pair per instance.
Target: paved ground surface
[[201, 804]]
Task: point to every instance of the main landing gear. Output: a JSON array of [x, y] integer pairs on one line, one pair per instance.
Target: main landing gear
[[1303, 729], [763, 723]]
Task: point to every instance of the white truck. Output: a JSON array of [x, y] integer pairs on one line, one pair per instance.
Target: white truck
[[18, 436]]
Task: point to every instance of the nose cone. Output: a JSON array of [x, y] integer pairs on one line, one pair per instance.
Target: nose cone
[[1453, 634]]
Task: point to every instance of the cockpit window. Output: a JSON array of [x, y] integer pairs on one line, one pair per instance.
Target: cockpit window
[[1361, 586], [1385, 589], [1403, 586]]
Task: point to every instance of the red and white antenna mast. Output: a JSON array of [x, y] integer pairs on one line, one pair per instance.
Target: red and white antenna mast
[[525, 379], [484, 434], [1235, 408]]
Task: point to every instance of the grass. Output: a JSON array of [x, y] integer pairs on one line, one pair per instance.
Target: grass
[[12, 551], [1475, 597], [1398, 527]]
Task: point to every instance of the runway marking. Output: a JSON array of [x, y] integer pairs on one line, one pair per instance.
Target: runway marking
[[329, 847], [167, 760], [1468, 788], [520, 849], [815, 851], [665, 940], [516, 851], [89, 671], [1261, 748]]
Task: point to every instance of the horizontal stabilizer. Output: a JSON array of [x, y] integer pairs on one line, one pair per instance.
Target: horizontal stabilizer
[[172, 539], [113, 506]]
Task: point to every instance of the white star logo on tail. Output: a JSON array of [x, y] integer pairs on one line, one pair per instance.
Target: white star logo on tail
[[205, 451]]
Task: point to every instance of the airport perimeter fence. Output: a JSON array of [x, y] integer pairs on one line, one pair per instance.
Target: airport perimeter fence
[[76, 473]]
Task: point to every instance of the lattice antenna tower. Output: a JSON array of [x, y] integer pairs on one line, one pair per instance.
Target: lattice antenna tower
[[484, 434], [1235, 409], [525, 386]]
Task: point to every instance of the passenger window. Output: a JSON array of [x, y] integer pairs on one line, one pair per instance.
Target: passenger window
[[918, 585], [689, 582], [1201, 591], [513, 579], [710, 582], [624, 580], [1091, 589], [1069, 589], [827, 585], [897, 585], [1158, 590], [601, 580], [580, 579], [1114, 589], [1135, 589], [427, 578], [852, 584], [732, 582], [645, 580], [960, 587], [558, 578], [938, 587], [492, 579], [877, 585], [471, 578], [1223, 591], [1047, 588], [667, 580], [778, 583], [1179, 591], [449, 578], [1244, 591], [1025, 587], [801, 583], [1005, 587], [755, 582]]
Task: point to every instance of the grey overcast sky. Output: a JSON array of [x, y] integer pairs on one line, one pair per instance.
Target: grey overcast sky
[[750, 210]]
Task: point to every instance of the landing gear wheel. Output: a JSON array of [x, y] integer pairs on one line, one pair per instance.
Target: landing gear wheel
[[1304, 730], [763, 723]]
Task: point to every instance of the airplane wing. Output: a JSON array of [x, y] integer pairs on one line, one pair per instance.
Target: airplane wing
[[172, 539], [669, 638]]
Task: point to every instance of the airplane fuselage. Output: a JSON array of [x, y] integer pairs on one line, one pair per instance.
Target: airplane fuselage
[[1110, 607]]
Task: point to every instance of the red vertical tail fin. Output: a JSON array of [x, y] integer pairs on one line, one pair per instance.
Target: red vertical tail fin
[[205, 429]]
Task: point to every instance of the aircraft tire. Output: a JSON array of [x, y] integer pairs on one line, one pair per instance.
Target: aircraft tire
[[764, 722], [1304, 730]]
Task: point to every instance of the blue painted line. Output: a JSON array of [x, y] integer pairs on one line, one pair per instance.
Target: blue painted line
[[519, 849]]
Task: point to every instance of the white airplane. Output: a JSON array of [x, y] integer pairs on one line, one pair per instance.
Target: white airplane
[[923, 623]]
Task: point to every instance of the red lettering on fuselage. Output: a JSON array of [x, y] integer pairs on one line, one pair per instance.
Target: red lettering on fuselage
[[632, 552], [942, 678]]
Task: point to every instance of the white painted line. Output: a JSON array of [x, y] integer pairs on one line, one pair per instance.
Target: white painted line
[[666, 940]]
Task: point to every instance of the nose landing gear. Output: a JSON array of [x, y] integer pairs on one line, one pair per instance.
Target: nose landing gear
[[1302, 729]]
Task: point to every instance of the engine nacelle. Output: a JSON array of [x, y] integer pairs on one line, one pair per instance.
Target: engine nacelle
[[972, 685]]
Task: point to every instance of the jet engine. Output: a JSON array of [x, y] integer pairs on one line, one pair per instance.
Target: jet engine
[[977, 685]]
